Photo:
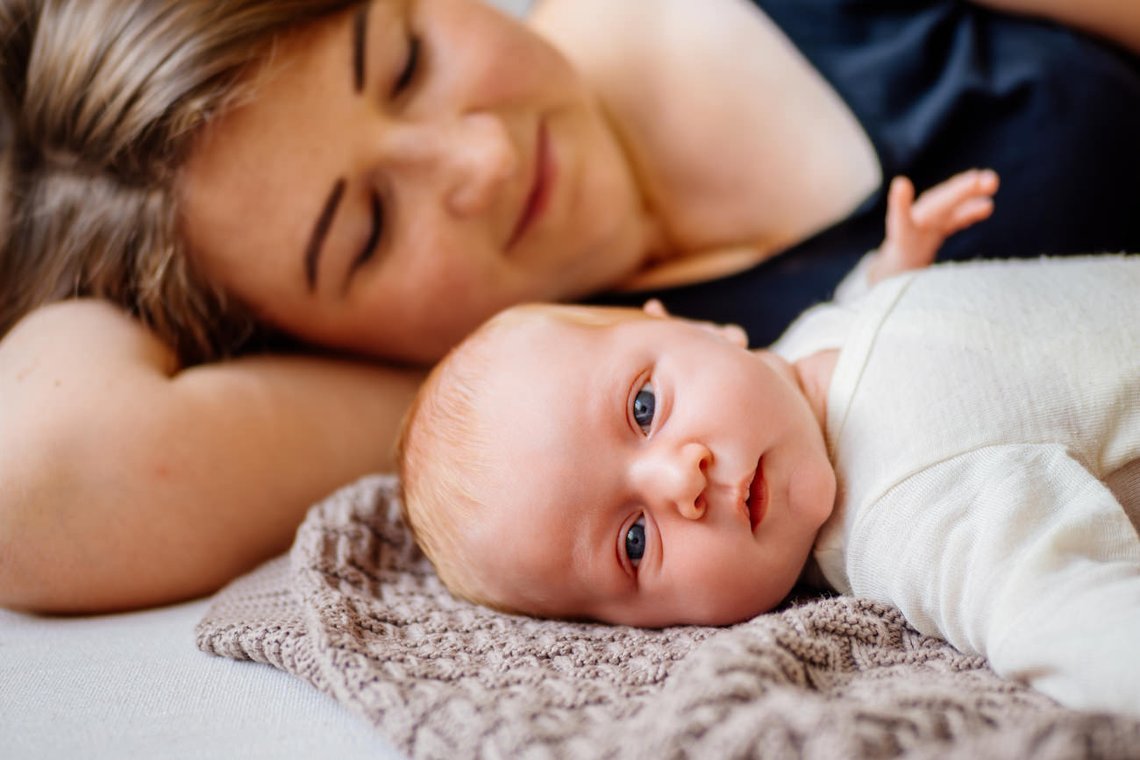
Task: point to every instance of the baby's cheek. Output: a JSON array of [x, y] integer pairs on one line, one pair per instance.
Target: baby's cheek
[[811, 493], [735, 603], [731, 589]]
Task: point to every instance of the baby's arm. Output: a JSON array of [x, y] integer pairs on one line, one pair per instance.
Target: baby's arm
[[1019, 554], [917, 228]]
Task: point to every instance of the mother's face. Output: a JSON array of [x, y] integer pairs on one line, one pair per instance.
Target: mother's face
[[401, 172]]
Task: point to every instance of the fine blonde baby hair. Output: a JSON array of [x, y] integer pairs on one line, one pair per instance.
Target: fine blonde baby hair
[[445, 450]]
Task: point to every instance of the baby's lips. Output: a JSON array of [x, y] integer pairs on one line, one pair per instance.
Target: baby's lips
[[757, 497]]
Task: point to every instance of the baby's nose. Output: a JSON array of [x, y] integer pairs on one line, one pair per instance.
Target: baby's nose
[[676, 478]]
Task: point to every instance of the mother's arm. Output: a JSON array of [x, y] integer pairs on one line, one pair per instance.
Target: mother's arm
[[125, 482], [1116, 20]]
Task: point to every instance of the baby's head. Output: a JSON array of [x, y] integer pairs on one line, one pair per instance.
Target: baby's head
[[615, 465]]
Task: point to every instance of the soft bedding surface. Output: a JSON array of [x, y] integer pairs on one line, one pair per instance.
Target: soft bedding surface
[[358, 612], [133, 685]]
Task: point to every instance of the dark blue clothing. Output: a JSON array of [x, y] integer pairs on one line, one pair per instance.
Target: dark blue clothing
[[941, 86]]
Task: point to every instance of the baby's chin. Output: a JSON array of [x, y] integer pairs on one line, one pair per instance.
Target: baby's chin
[[746, 607], [705, 618], [733, 605]]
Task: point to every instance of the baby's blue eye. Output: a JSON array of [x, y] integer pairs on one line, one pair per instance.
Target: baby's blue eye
[[635, 541], [644, 405]]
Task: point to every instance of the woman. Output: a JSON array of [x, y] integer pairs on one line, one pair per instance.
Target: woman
[[376, 178]]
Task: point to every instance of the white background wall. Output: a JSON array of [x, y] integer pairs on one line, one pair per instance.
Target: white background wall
[[514, 6]]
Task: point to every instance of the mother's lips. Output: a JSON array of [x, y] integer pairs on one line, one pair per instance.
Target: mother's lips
[[757, 500], [542, 181]]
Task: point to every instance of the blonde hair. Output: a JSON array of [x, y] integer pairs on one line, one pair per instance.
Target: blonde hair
[[441, 454], [444, 453], [99, 103]]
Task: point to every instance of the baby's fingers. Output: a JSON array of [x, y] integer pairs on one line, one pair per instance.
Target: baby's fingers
[[959, 201], [900, 207], [967, 213]]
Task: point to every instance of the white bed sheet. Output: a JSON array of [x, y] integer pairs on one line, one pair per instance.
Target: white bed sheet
[[135, 685]]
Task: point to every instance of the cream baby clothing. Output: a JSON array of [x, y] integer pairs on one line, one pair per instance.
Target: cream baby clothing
[[984, 422]]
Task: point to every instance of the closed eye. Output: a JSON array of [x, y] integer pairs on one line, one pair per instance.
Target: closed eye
[[411, 66], [374, 233]]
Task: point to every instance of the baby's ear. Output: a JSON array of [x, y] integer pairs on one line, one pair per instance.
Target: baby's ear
[[655, 308], [734, 334]]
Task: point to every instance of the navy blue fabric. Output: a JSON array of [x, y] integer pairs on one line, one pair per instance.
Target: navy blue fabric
[[941, 86]]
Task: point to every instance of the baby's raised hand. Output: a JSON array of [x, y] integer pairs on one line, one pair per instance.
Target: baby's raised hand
[[916, 229]]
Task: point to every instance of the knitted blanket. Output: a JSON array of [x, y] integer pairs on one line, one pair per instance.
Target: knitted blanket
[[357, 611]]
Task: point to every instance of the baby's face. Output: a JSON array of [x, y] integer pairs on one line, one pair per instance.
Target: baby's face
[[648, 472]]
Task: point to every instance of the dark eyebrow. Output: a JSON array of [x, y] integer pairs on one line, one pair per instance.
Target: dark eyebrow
[[324, 221], [320, 230], [359, 38]]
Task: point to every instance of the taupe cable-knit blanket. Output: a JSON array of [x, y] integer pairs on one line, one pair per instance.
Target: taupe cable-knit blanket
[[359, 613]]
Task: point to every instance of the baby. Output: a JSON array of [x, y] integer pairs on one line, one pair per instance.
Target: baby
[[961, 441]]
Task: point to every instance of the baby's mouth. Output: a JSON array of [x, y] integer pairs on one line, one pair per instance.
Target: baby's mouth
[[757, 499]]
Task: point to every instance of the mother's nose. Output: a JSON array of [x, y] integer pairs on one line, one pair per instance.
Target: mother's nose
[[674, 478], [470, 156]]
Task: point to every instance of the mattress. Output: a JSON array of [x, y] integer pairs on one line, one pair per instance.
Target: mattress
[[135, 685]]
